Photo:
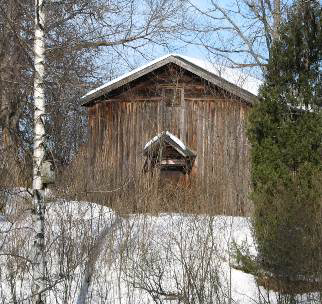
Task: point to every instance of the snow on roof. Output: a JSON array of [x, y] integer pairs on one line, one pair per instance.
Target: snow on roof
[[128, 74], [173, 137], [234, 76]]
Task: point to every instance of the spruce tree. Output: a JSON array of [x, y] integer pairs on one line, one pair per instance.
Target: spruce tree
[[285, 132]]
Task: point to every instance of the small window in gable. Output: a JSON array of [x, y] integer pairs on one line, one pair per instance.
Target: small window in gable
[[172, 96]]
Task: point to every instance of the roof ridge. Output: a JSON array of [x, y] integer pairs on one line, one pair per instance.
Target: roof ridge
[[227, 77]]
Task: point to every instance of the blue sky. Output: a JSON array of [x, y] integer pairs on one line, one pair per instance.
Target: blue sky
[[132, 60]]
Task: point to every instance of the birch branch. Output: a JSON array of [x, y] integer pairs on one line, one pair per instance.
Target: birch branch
[[93, 257]]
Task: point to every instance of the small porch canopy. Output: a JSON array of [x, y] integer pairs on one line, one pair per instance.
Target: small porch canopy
[[168, 153]]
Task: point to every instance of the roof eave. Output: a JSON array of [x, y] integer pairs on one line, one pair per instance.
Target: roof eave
[[91, 98], [189, 66], [216, 80]]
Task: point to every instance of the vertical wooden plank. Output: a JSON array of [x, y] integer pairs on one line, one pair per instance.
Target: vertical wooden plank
[[162, 116], [128, 128], [206, 153], [136, 137], [106, 137], [211, 150], [125, 142], [203, 138], [112, 146], [187, 123], [142, 136], [159, 116], [121, 145], [215, 152], [140, 139], [155, 117], [116, 145], [219, 158], [199, 142], [131, 136], [182, 116], [128, 147]]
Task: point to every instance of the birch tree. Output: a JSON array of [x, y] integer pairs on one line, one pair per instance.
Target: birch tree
[[39, 257], [76, 27]]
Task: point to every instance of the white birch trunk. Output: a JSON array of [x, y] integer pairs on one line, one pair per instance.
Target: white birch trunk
[[93, 257], [39, 262]]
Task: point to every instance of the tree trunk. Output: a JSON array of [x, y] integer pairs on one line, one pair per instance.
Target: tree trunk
[[277, 19], [39, 262], [8, 60]]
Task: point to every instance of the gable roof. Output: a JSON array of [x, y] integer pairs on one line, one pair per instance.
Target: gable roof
[[232, 80], [172, 140]]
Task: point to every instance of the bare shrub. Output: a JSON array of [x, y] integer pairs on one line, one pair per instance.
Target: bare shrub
[[89, 178], [180, 263]]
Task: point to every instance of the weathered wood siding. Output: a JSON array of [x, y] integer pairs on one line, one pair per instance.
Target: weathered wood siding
[[209, 121]]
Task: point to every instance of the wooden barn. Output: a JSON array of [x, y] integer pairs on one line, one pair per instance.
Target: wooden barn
[[181, 118]]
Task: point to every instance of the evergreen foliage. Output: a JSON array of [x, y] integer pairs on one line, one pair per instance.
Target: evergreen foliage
[[285, 131]]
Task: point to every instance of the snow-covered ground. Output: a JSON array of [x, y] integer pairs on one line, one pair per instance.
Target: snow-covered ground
[[170, 258]]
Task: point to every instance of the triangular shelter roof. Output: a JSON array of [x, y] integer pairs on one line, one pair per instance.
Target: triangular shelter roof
[[167, 138], [229, 79]]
